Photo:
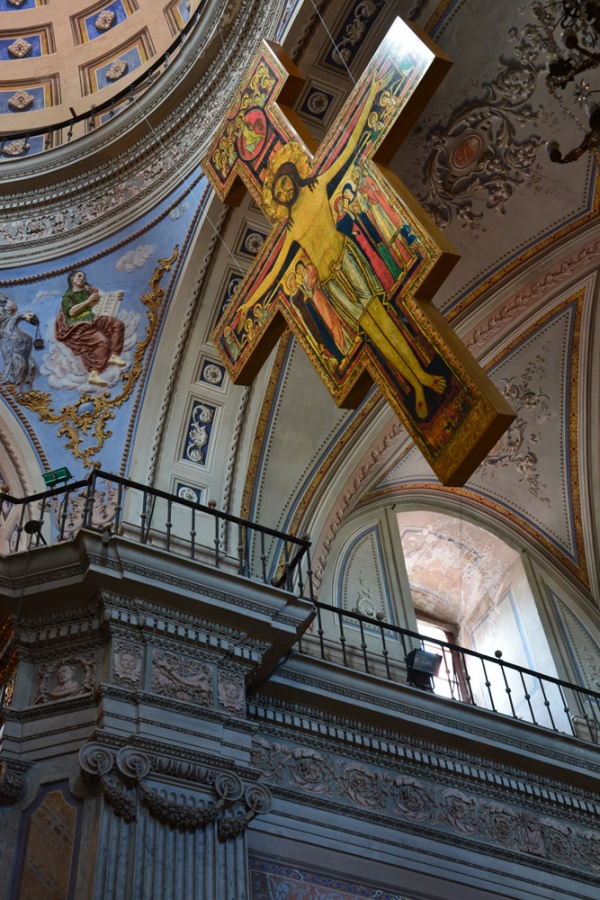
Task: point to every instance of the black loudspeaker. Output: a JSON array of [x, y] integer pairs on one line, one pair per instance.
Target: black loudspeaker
[[422, 667]]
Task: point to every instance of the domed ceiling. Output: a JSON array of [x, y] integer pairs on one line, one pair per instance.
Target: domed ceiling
[[59, 60]]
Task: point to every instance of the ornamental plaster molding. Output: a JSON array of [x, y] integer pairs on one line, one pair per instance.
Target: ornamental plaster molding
[[307, 29], [144, 614], [181, 346], [182, 677], [407, 711], [66, 677], [127, 664], [126, 184], [334, 734], [225, 791], [349, 496], [447, 812], [13, 784], [522, 301], [234, 451]]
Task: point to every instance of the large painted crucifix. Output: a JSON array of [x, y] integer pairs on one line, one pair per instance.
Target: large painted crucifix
[[352, 260]]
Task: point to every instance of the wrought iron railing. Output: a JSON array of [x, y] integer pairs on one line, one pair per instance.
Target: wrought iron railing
[[457, 673], [111, 505]]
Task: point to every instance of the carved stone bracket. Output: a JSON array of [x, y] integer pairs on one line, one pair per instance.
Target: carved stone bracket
[[12, 784], [257, 799], [132, 766]]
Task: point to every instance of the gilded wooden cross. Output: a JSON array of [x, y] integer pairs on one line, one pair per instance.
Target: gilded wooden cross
[[352, 261]]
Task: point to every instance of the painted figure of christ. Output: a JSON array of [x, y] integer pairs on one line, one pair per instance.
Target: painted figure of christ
[[344, 274]]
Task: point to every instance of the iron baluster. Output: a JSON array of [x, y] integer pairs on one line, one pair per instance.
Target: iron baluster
[[309, 575], [385, 653], [263, 557], [527, 696], [299, 556], [450, 676], [217, 540], [20, 528], [566, 709], [119, 507], [488, 684], [143, 516], [363, 645], [507, 686], [468, 680], [320, 632], [286, 563], [62, 512], [342, 637], [90, 491], [547, 705], [193, 534], [168, 523]]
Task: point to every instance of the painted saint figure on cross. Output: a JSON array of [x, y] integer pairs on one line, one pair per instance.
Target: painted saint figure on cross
[[352, 260]]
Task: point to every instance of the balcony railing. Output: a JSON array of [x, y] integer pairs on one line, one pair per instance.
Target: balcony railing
[[111, 505], [457, 673]]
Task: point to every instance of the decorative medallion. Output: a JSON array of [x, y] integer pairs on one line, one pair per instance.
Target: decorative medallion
[[18, 147], [66, 678], [212, 374], [20, 101], [19, 48], [117, 69], [105, 20]]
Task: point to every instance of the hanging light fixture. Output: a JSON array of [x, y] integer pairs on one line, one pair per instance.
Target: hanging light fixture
[[578, 52]]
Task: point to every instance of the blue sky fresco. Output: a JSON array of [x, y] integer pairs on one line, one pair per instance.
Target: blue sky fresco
[[55, 373]]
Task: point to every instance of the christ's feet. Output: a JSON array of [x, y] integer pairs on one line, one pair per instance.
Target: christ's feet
[[115, 360], [95, 379]]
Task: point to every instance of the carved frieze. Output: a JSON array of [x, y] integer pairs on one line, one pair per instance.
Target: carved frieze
[[449, 811], [66, 678], [232, 693], [12, 784], [182, 678], [127, 664]]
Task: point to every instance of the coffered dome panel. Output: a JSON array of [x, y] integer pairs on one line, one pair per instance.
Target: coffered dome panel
[[69, 55]]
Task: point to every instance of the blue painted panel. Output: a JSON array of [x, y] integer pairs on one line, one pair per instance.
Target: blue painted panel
[[199, 433], [131, 57], [5, 6], [120, 16], [33, 39], [39, 100]]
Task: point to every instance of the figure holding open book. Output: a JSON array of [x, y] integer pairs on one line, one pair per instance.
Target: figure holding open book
[[88, 326]]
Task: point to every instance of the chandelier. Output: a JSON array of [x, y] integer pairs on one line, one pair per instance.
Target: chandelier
[[577, 52]]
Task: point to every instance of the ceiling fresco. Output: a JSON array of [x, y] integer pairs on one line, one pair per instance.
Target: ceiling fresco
[[522, 297], [76, 394]]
